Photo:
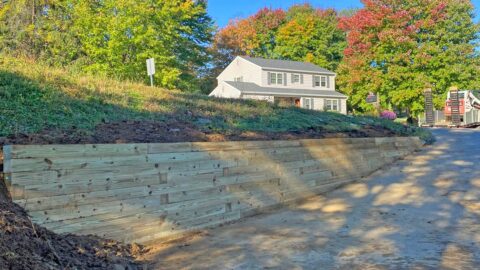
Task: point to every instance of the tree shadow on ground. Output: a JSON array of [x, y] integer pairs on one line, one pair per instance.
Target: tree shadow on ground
[[423, 213]]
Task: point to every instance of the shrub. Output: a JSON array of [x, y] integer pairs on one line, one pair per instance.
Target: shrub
[[388, 115]]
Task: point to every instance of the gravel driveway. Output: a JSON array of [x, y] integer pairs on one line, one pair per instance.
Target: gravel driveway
[[422, 213]]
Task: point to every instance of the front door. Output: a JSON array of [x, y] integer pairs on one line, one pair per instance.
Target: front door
[[297, 102]]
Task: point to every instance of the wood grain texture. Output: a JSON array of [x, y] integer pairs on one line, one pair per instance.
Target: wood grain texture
[[145, 192]]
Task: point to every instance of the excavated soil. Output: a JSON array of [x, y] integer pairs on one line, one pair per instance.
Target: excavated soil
[[158, 132], [24, 245]]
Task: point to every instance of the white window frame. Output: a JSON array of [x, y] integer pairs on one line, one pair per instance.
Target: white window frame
[[296, 78], [308, 103], [238, 79], [316, 79], [334, 105], [276, 78], [323, 81], [273, 78]]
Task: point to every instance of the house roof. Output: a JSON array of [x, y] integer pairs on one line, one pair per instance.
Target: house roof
[[287, 65], [254, 89]]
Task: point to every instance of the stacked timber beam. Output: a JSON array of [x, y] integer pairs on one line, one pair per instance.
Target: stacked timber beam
[[144, 192]]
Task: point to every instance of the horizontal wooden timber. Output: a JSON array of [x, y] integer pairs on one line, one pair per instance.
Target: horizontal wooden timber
[[143, 192]]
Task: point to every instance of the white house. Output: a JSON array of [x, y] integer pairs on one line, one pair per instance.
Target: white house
[[285, 82]]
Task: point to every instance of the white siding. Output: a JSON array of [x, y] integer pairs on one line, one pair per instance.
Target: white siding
[[241, 68], [258, 97], [344, 106], [249, 72], [319, 104], [226, 91], [307, 81]]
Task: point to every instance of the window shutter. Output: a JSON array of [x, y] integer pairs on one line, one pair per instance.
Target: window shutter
[[284, 78], [312, 106], [269, 78], [301, 79], [328, 82], [313, 80], [291, 78], [339, 105]]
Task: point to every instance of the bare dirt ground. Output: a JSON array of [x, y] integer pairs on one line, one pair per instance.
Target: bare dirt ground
[[422, 213], [24, 245]]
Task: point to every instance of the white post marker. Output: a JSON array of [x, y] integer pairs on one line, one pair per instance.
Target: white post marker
[[151, 69]]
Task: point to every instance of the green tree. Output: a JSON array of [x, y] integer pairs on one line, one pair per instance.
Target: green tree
[[396, 48], [39, 29], [118, 36], [301, 33], [113, 37], [311, 35]]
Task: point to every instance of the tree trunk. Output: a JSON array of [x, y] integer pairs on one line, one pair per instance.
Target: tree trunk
[[34, 26]]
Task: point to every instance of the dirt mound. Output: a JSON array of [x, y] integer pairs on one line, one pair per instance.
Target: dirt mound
[[162, 132], [24, 245]]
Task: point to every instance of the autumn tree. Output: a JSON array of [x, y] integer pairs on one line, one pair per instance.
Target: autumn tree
[[301, 33], [311, 35], [253, 36], [396, 48]]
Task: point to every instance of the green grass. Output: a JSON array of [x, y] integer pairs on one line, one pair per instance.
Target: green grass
[[34, 97]]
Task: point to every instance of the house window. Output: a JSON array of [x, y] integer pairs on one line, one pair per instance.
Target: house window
[[276, 78], [238, 79], [320, 81], [308, 103], [332, 105], [323, 82], [295, 78]]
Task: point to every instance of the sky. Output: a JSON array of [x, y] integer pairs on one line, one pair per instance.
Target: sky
[[224, 10]]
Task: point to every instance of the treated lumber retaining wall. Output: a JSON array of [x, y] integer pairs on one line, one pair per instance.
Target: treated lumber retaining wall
[[144, 192]]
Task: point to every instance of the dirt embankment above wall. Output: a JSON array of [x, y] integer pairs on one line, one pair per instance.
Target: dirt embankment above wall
[[165, 132]]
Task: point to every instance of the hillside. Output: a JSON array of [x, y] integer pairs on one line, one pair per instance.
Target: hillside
[[45, 105]]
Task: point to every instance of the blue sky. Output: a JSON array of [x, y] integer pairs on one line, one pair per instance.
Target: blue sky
[[224, 10]]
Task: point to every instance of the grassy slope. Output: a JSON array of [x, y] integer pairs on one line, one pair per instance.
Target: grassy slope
[[34, 97]]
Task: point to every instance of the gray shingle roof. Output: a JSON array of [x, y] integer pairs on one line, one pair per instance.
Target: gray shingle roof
[[286, 65], [254, 89]]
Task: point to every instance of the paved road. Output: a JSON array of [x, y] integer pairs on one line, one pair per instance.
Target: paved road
[[422, 213]]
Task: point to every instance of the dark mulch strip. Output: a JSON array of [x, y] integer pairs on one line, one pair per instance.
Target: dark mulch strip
[[162, 132]]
